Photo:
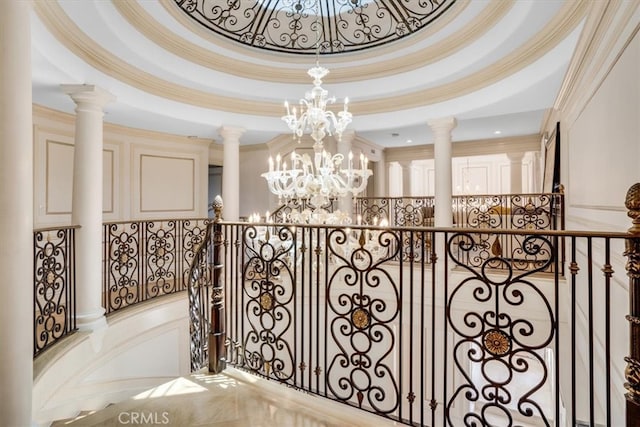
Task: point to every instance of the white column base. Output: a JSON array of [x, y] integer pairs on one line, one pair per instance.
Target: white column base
[[93, 321]]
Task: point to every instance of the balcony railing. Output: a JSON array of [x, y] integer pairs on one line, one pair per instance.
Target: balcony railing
[[54, 286], [543, 211], [147, 259], [438, 337], [523, 212]]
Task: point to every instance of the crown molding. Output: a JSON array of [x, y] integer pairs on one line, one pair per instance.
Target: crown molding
[[65, 121], [68, 33], [153, 30], [481, 147], [608, 30]]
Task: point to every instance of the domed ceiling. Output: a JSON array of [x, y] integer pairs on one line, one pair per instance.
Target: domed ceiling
[[190, 67], [314, 26]]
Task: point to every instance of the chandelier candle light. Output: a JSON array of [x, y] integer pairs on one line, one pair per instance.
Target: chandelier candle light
[[325, 177]]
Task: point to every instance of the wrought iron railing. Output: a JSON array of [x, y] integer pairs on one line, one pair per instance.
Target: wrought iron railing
[[536, 211], [523, 212], [336, 312], [398, 211], [199, 291], [54, 286], [543, 211], [147, 259]]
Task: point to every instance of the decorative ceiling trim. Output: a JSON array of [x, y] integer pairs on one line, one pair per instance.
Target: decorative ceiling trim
[[156, 32], [308, 27], [68, 33], [555, 31], [478, 147], [609, 28], [442, 22]]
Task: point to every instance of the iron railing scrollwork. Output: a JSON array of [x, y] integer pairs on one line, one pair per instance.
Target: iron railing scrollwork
[[290, 26], [523, 212], [339, 313], [632, 252], [147, 259], [54, 286], [498, 344]]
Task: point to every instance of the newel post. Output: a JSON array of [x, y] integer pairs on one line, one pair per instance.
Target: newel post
[[632, 251], [217, 334]]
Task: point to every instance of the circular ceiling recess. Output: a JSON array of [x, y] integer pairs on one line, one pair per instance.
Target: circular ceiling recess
[[314, 26]]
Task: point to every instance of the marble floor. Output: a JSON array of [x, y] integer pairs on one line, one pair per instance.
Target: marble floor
[[235, 400]]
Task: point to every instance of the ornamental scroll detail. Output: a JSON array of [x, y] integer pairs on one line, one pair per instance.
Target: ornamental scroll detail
[[362, 323], [269, 292], [496, 344], [54, 294], [291, 25]]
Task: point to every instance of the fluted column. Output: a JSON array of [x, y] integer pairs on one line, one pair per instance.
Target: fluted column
[[516, 172], [441, 129], [86, 202], [344, 146], [16, 215], [231, 171]]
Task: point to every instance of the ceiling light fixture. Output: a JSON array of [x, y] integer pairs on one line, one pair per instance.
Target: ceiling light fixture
[[325, 177]]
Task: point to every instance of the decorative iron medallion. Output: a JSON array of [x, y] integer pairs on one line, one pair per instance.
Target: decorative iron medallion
[[291, 25], [360, 318], [497, 342], [266, 301]]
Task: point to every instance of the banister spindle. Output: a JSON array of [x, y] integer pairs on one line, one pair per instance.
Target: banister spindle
[[632, 252], [217, 333]]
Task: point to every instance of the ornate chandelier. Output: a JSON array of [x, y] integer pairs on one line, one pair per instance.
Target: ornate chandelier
[[314, 114], [325, 177]]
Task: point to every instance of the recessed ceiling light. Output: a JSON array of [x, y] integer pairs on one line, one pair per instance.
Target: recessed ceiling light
[[409, 141], [497, 132]]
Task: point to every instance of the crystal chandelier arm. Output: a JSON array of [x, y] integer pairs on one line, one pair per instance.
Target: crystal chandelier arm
[[320, 178]]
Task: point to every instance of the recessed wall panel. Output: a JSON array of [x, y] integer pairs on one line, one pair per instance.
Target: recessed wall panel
[[58, 177], [166, 183], [108, 180]]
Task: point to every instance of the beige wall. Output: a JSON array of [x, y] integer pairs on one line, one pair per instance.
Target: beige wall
[[600, 147], [147, 175], [254, 194]]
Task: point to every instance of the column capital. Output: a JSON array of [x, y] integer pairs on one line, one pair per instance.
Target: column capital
[[443, 124], [231, 134], [88, 95], [516, 156]]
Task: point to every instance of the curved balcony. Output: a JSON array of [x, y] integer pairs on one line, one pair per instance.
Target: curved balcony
[[412, 325]]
